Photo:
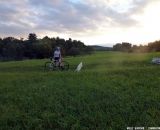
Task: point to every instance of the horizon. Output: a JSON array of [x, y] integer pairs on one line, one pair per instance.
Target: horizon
[[102, 22]]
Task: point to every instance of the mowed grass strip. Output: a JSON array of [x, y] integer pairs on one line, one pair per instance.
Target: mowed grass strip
[[113, 91]]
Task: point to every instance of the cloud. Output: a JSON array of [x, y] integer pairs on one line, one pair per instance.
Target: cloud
[[73, 16]]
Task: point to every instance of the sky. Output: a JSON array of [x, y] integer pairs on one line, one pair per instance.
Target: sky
[[94, 22]]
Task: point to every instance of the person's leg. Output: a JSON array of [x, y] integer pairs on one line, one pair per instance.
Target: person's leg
[[56, 62], [60, 62]]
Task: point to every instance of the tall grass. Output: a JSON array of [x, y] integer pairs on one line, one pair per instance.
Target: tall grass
[[113, 91]]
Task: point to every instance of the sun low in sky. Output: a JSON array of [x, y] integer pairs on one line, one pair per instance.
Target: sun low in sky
[[100, 22]]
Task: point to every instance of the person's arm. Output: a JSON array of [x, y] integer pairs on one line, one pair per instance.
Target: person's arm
[[60, 56]]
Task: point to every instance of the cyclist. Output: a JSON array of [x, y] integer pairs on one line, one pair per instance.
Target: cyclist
[[57, 55]]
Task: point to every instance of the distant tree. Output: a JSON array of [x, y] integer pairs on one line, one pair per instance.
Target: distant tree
[[60, 42], [154, 46], [21, 39], [9, 40], [74, 51], [68, 44], [1, 47], [126, 47], [32, 37], [117, 47], [70, 39]]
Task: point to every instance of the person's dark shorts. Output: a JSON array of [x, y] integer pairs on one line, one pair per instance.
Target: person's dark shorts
[[56, 58]]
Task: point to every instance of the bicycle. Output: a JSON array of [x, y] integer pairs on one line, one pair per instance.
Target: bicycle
[[56, 65]]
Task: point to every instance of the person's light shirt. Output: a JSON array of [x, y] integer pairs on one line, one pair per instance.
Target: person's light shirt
[[57, 53]]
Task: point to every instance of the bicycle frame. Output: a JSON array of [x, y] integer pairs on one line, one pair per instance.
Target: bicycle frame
[[57, 64]]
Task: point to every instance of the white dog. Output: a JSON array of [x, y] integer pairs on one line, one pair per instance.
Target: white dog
[[79, 67]]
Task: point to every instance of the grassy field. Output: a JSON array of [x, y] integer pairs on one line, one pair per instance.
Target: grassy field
[[114, 90]]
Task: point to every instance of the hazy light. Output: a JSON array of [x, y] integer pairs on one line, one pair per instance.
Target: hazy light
[[91, 21]]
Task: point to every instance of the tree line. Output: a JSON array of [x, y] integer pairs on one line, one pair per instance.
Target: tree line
[[17, 49], [128, 47]]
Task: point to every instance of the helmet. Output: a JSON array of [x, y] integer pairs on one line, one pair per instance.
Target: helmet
[[58, 48]]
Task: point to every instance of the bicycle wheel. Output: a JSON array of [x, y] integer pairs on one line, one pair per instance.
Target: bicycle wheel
[[64, 65], [49, 66]]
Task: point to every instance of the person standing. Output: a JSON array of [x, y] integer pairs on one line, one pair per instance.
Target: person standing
[[57, 55]]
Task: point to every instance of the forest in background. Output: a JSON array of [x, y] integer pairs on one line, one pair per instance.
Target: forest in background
[[128, 47], [33, 48]]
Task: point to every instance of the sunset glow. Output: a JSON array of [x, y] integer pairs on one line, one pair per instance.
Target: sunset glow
[[101, 22]]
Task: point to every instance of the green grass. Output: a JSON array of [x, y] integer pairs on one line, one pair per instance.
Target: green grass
[[114, 90]]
